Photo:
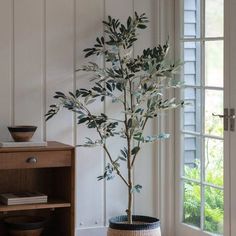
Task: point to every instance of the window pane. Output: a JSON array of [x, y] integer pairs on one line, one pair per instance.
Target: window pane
[[192, 204], [191, 18], [214, 63], [191, 60], [214, 213], [214, 161], [192, 111], [213, 104], [192, 157], [214, 18]]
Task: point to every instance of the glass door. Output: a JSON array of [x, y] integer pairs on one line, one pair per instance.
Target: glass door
[[200, 169]]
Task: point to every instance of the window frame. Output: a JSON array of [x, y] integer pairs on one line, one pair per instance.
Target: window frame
[[178, 120]]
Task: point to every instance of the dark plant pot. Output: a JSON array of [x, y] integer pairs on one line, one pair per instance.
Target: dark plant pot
[[142, 226], [25, 225]]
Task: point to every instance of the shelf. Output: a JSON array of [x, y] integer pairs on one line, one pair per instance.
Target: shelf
[[49, 205], [52, 174]]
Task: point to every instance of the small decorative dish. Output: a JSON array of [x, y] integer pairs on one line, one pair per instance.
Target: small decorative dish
[[22, 133]]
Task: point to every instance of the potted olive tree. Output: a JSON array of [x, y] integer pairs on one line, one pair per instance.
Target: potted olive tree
[[138, 84]]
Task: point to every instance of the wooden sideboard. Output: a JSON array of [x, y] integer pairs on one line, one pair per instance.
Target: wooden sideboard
[[50, 170]]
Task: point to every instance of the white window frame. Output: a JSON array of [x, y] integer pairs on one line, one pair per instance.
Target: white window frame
[[179, 226]]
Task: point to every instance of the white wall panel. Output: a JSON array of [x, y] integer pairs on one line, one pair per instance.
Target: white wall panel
[[147, 37], [120, 9], [89, 16], [116, 190], [59, 64], [146, 160], [28, 25], [6, 26], [90, 204], [41, 45]]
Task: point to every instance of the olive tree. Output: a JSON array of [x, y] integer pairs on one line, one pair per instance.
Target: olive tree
[[137, 83]]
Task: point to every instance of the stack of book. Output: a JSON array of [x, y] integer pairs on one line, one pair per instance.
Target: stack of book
[[23, 144], [23, 198]]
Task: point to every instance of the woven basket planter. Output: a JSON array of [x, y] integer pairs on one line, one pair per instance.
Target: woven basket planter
[[142, 226]]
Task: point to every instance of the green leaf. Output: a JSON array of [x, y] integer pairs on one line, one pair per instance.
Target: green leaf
[[109, 87], [135, 150], [87, 49], [97, 89], [137, 188], [89, 54], [108, 173], [139, 138], [101, 177], [140, 26], [129, 21], [124, 153], [90, 101], [122, 158], [59, 95], [83, 120], [98, 40], [119, 86]]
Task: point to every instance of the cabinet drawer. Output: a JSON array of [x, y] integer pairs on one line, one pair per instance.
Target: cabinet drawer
[[35, 159]]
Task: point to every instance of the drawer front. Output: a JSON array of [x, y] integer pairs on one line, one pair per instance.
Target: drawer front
[[42, 159]]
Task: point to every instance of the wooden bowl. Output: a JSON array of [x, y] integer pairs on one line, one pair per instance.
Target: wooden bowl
[[25, 225], [22, 133]]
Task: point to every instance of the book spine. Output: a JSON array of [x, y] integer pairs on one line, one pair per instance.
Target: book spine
[[24, 203], [3, 200]]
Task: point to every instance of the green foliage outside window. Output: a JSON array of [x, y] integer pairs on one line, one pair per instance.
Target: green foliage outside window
[[213, 205]]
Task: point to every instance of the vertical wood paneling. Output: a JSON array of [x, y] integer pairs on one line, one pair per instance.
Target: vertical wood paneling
[[28, 28], [145, 168], [89, 17], [146, 37], [59, 64], [120, 9], [116, 191], [40, 61], [6, 27], [90, 207]]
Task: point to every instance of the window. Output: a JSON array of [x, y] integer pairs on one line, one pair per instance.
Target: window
[[202, 143]]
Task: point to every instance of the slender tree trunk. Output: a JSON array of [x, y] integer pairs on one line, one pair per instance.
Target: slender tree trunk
[[130, 182], [130, 199]]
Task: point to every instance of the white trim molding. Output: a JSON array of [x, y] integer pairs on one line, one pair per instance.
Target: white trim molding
[[98, 231], [166, 31]]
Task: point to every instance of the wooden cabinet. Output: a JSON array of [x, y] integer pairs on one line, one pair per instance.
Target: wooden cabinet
[[50, 170]]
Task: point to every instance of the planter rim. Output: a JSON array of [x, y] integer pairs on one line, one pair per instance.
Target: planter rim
[[148, 223]]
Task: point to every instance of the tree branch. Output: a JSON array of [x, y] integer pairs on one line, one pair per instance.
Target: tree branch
[[106, 150], [139, 142], [117, 170]]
